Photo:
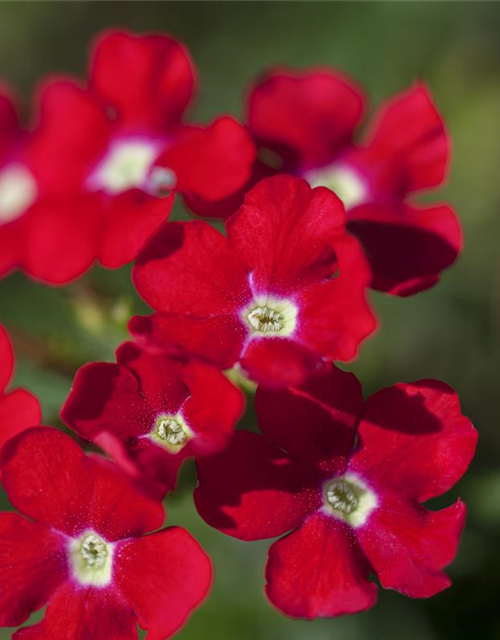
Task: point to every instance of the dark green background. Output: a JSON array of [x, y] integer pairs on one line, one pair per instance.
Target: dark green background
[[451, 332]]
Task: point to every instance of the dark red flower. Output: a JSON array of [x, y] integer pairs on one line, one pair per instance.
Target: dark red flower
[[283, 291], [350, 511], [80, 547], [96, 177], [150, 412], [307, 120], [19, 409]]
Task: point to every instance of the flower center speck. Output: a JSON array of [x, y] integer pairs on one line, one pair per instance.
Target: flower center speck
[[171, 431], [94, 551], [342, 180], [265, 319], [342, 496], [348, 498], [18, 191]]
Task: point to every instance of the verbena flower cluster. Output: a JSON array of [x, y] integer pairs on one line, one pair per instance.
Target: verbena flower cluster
[[315, 214]]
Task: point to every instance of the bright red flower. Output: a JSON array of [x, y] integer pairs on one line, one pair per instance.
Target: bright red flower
[[96, 177], [81, 548], [285, 290], [308, 119], [19, 409], [150, 412], [350, 512]]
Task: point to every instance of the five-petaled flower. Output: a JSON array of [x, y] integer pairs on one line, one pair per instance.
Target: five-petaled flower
[[151, 412], [285, 290], [19, 409], [304, 124], [95, 178], [80, 546], [350, 511]]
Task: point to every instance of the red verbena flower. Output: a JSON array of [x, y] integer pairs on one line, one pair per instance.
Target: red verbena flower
[[350, 511], [283, 291], [19, 409], [104, 160], [306, 121], [80, 547], [150, 412]]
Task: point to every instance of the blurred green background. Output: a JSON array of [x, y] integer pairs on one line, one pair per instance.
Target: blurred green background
[[451, 332]]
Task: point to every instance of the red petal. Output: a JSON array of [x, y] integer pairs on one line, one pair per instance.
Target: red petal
[[107, 397], [11, 245], [77, 613], [312, 113], [190, 268], [148, 79], [60, 239], [319, 570], [9, 123], [130, 220], [407, 246], [415, 437], [163, 577], [408, 546], [253, 490], [409, 132], [71, 136], [48, 477], [279, 362], [316, 420], [6, 359], [211, 163], [217, 339], [284, 234], [32, 566], [19, 410], [335, 316]]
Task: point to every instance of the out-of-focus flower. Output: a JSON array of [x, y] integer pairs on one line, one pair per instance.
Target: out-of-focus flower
[[304, 123], [285, 290], [19, 409], [79, 546], [351, 511], [150, 412]]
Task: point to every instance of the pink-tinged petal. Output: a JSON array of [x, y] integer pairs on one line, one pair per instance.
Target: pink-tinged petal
[[163, 577], [71, 135], [253, 490], [49, 478], [19, 410], [190, 268], [407, 246], [32, 566], [335, 316], [45, 477], [319, 571], [11, 246], [277, 362], [214, 407], [211, 163], [315, 420], [409, 133], [119, 508], [6, 359], [148, 79], [107, 397], [9, 123], [408, 546], [130, 220], [60, 238], [284, 233], [310, 115], [79, 613], [217, 339], [414, 437]]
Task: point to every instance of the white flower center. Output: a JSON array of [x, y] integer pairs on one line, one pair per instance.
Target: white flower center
[[125, 166], [91, 559], [171, 432], [345, 182], [268, 316], [18, 191], [348, 498]]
